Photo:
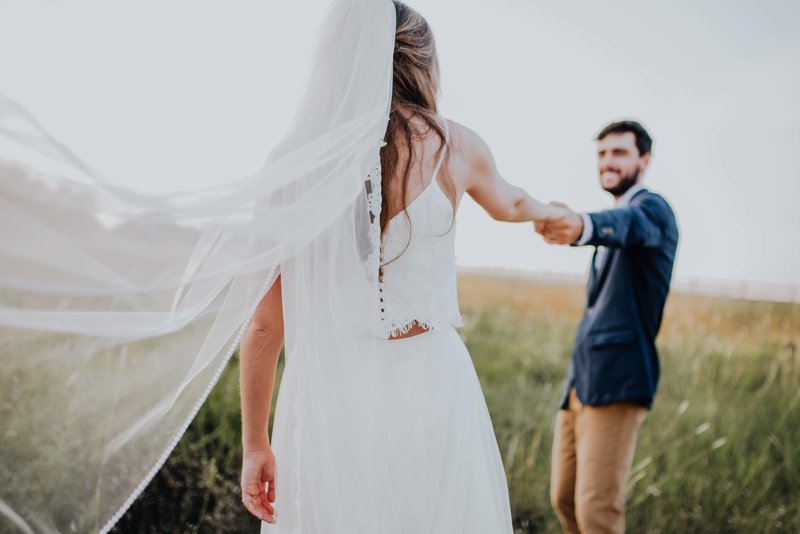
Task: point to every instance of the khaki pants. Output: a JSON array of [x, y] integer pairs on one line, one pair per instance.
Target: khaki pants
[[592, 454]]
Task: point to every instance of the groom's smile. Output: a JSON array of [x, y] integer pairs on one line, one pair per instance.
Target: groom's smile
[[609, 177], [619, 162]]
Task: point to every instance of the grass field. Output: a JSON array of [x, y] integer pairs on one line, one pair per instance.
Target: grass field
[[719, 452]]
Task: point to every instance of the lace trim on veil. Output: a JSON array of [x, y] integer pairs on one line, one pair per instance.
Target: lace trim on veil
[[374, 199]]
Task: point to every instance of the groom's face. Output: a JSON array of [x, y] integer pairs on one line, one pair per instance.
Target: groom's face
[[619, 162]]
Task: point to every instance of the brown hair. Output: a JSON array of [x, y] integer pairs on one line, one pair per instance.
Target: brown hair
[[644, 143], [415, 87]]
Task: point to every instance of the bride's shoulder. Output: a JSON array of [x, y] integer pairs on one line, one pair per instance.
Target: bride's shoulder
[[465, 139], [470, 148]]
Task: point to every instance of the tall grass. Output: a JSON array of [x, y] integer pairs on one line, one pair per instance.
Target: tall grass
[[719, 452]]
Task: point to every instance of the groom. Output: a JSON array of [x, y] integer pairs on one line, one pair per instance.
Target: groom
[[614, 369]]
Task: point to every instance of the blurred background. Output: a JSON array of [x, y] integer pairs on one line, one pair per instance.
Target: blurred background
[[187, 94], [184, 95]]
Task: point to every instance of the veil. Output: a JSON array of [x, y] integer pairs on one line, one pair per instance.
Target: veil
[[119, 309]]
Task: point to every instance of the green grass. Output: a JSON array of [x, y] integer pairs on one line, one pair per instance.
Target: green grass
[[719, 452]]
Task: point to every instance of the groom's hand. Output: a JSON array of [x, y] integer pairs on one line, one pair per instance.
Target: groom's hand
[[564, 230]]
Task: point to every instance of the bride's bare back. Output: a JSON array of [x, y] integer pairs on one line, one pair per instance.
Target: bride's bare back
[[467, 168]]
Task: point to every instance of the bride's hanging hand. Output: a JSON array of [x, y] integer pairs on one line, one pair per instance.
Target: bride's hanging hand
[[258, 473]]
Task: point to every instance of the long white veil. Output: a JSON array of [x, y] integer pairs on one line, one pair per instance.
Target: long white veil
[[119, 310]]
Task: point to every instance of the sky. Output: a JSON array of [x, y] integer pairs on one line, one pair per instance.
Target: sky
[[182, 95]]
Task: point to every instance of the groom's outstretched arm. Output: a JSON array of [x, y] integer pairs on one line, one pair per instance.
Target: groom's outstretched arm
[[643, 223]]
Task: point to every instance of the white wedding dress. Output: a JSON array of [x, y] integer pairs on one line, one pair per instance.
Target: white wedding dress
[[119, 310], [437, 468]]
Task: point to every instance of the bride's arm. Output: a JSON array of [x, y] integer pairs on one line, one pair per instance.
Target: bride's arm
[[259, 352], [482, 181]]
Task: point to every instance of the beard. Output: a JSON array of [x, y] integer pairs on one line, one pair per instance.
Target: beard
[[626, 181]]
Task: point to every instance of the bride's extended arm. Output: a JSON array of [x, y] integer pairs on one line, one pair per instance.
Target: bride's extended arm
[[259, 352], [501, 200]]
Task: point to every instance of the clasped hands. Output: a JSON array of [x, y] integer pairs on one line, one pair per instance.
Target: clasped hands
[[561, 227]]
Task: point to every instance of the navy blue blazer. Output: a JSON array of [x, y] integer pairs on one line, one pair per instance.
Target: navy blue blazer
[[614, 357]]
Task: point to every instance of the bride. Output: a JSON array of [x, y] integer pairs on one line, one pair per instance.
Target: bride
[[120, 309], [436, 466]]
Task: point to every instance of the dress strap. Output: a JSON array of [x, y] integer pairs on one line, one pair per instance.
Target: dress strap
[[444, 150]]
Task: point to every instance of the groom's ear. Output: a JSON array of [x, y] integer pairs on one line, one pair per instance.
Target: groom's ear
[[644, 161]]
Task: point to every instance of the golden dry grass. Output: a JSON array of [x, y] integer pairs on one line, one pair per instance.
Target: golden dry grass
[[719, 452]]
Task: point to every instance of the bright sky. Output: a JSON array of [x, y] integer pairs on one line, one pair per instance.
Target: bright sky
[[201, 90]]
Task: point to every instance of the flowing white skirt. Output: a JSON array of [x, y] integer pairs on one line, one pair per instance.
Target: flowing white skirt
[[437, 469]]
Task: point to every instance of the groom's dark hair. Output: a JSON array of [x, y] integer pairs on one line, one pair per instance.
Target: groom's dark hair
[[643, 140]]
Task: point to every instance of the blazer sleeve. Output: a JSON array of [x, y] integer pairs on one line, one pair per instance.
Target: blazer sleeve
[[643, 223]]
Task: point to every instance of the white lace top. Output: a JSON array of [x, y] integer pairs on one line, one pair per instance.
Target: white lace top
[[420, 284]]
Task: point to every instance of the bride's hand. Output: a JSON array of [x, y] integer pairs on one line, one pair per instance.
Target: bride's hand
[[555, 210], [561, 226], [258, 471], [558, 210]]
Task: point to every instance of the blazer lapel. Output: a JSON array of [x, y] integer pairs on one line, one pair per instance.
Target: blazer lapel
[[597, 276]]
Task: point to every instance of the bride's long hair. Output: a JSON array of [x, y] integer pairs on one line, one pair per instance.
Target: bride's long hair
[[415, 89]]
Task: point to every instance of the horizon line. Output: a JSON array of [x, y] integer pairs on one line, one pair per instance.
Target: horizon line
[[690, 285]]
